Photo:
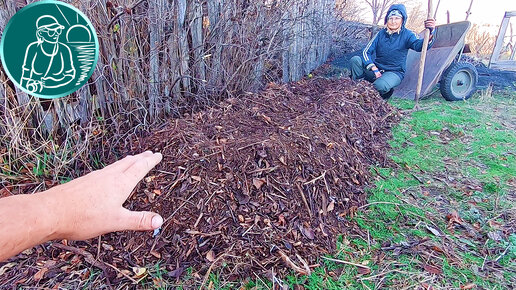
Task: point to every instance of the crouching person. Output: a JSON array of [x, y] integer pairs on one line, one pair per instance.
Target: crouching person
[[383, 60]]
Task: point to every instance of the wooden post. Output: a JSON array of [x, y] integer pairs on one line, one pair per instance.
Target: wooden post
[[423, 57], [436, 9], [469, 10], [499, 40], [448, 16]]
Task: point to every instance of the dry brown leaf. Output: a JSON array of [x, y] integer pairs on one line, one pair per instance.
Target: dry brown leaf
[[282, 160], [433, 269], [139, 272], [453, 217], [267, 119], [196, 178], [155, 254], [331, 206], [363, 271], [258, 182], [149, 178], [40, 274], [6, 267], [468, 286], [210, 256], [157, 191]]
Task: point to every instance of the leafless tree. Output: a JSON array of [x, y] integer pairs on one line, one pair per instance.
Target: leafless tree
[[416, 16], [350, 10], [481, 42], [379, 8]]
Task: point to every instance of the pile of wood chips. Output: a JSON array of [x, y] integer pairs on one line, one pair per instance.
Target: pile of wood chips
[[263, 182]]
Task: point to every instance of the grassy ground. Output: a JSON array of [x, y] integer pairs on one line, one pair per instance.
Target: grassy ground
[[445, 218]]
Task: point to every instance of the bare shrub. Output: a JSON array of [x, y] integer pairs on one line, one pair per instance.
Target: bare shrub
[[157, 59]]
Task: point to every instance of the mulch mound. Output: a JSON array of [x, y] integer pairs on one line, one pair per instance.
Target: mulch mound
[[261, 182]]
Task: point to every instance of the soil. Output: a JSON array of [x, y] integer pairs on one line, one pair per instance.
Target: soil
[[265, 181]]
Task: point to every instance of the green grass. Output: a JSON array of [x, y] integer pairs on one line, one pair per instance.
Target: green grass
[[452, 157]]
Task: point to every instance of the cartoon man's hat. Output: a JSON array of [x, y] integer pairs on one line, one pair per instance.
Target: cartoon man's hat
[[49, 22]]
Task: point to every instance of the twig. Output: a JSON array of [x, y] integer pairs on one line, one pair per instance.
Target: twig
[[292, 265], [88, 257], [315, 179], [503, 254], [252, 144], [124, 274], [378, 202], [304, 199], [203, 234], [346, 262]]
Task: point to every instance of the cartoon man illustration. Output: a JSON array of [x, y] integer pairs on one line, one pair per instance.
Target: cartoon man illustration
[[48, 63]]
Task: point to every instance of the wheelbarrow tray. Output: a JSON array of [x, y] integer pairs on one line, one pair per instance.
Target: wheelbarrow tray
[[449, 42]]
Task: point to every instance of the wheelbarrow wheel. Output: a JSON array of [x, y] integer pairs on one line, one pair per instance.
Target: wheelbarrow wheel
[[459, 81]]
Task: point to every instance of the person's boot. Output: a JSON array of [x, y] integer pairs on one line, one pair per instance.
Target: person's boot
[[387, 95]]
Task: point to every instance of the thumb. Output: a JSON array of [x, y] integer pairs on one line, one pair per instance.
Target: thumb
[[142, 220]]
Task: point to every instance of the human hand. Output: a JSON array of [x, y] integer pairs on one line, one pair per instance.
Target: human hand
[[430, 24], [378, 74], [92, 204]]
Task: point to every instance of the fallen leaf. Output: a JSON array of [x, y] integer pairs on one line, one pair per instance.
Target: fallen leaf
[[107, 247], [282, 160], [210, 256], [433, 231], [267, 119], [6, 267], [331, 206], [453, 217], [155, 254], [433, 269], [40, 274], [139, 272], [494, 224], [176, 273], [196, 178], [149, 178], [157, 191], [258, 182], [427, 286], [468, 286], [307, 232], [363, 271]]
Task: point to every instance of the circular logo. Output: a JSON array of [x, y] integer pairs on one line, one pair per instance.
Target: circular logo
[[49, 49]]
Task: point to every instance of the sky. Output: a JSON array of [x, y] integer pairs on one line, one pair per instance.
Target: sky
[[482, 11]]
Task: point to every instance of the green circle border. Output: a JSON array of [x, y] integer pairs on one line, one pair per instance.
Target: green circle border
[[94, 37]]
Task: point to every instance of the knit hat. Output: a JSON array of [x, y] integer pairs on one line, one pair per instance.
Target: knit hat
[[395, 12]]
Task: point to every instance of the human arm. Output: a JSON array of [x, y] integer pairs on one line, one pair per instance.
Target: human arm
[[416, 43], [80, 209], [367, 55]]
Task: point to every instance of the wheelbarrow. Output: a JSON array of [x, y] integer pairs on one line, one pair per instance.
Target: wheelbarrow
[[457, 79]]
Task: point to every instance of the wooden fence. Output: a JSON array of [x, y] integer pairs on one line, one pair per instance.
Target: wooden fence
[[164, 57]]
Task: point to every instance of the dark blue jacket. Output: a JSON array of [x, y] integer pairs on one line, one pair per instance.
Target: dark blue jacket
[[389, 51]]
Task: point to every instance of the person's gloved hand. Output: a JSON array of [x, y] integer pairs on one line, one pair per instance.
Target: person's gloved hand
[[92, 204], [430, 24]]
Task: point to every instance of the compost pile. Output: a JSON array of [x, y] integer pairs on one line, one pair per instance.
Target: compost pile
[[263, 181]]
